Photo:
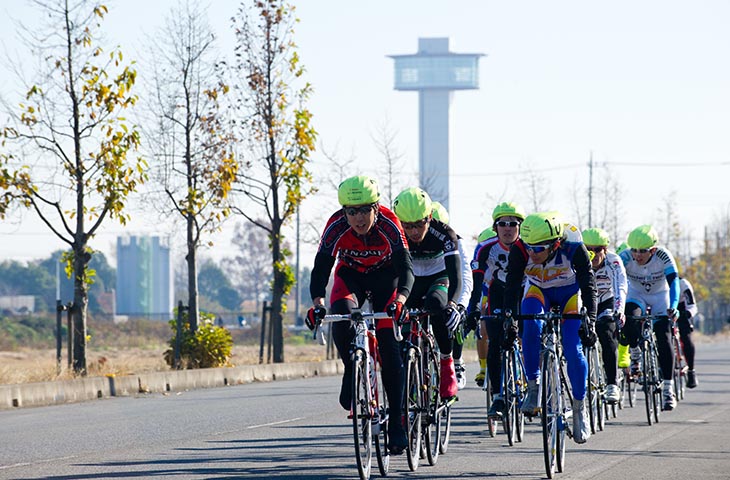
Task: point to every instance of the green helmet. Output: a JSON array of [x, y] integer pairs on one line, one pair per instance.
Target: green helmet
[[486, 234], [596, 237], [621, 247], [439, 212], [508, 209], [412, 205], [541, 227], [359, 190], [643, 236]]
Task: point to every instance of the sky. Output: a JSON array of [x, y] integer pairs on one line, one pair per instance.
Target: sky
[[641, 86]]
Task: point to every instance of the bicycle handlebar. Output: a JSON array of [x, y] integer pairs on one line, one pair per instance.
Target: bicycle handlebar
[[355, 315]]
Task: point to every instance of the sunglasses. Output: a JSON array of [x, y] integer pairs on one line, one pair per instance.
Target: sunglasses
[[352, 211], [413, 225], [640, 250], [508, 224], [538, 248], [595, 249]]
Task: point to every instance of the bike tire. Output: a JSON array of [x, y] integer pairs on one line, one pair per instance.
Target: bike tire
[[413, 399], [381, 438], [648, 385], [550, 411], [509, 415], [445, 429], [601, 405], [491, 422], [361, 415], [591, 390], [521, 391], [432, 396], [656, 383]]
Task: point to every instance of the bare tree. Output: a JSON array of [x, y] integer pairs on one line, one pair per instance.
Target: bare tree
[[278, 129], [250, 269], [535, 188], [191, 141], [65, 150], [385, 141]]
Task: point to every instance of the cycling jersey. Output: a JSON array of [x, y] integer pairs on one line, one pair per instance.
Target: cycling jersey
[[569, 265], [467, 283], [438, 252], [656, 278], [687, 298], [384, 246], [489, 268], [611, 285]]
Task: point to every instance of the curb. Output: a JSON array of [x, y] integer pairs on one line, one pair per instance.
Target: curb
[[91, 388]]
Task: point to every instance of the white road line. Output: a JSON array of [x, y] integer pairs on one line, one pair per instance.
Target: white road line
[[25, 464], [274, 423]]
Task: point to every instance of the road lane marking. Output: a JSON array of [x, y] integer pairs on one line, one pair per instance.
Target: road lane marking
[[274, 423]]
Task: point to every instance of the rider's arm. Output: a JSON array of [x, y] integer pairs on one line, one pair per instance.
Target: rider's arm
[[323, 263], [453, 270], [403, 265], [466, 278], [619, 283], [516, 263], [478, 266], [586, 280], [673, 281]]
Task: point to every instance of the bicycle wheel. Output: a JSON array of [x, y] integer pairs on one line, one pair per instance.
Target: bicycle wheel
[[520, 392], [562, 420], [361, 415], [656, 383], [601, 405], [491, 422], [381, 435], [445, 428], [509, 415], [551, 411], [432, 420], [591, 389], [648, 383], [680, 369], [413, 408]]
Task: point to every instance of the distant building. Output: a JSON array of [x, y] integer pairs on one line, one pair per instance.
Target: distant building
[[17, 303], [144, 278], [435, 72]]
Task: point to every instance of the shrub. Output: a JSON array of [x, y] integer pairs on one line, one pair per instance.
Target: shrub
[[210, 346]]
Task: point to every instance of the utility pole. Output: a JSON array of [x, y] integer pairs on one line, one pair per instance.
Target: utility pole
[[590, 191]]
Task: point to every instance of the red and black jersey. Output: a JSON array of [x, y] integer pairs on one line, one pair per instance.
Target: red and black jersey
[[384, 246]]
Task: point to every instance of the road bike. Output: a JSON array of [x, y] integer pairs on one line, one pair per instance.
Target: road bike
[[680, 363], [369, 410], [596, 388], [555, 391], [513, 388], [651, 379]]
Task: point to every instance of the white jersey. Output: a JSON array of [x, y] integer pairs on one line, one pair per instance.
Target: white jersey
[[687, 297], [467, 282], [611, 284], [652, 277]]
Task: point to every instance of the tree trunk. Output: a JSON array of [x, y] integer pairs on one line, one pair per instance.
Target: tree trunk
[[191, 258], [79, 307], [277, 296]]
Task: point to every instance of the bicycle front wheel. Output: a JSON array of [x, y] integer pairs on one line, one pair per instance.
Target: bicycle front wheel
[[361, 414], [413, 408], [380, 436], [648, 386], [491, 422], [509, 418], [551, 411], [591, 390], [656, 383], [432, 420]]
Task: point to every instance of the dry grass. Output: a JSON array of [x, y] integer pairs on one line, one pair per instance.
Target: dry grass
[[27, 366]]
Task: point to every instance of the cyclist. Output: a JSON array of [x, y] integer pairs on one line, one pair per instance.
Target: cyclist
[[687, 311], [367, 242], [471, 323], [611, 287], [653, 282], [552, 258], [440, 213], [489, 267], [434, 248]]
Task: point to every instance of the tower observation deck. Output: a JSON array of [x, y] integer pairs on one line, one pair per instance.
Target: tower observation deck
[[435, 72]]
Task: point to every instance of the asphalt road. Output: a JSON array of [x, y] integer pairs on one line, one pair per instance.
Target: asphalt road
[[296, 430]]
